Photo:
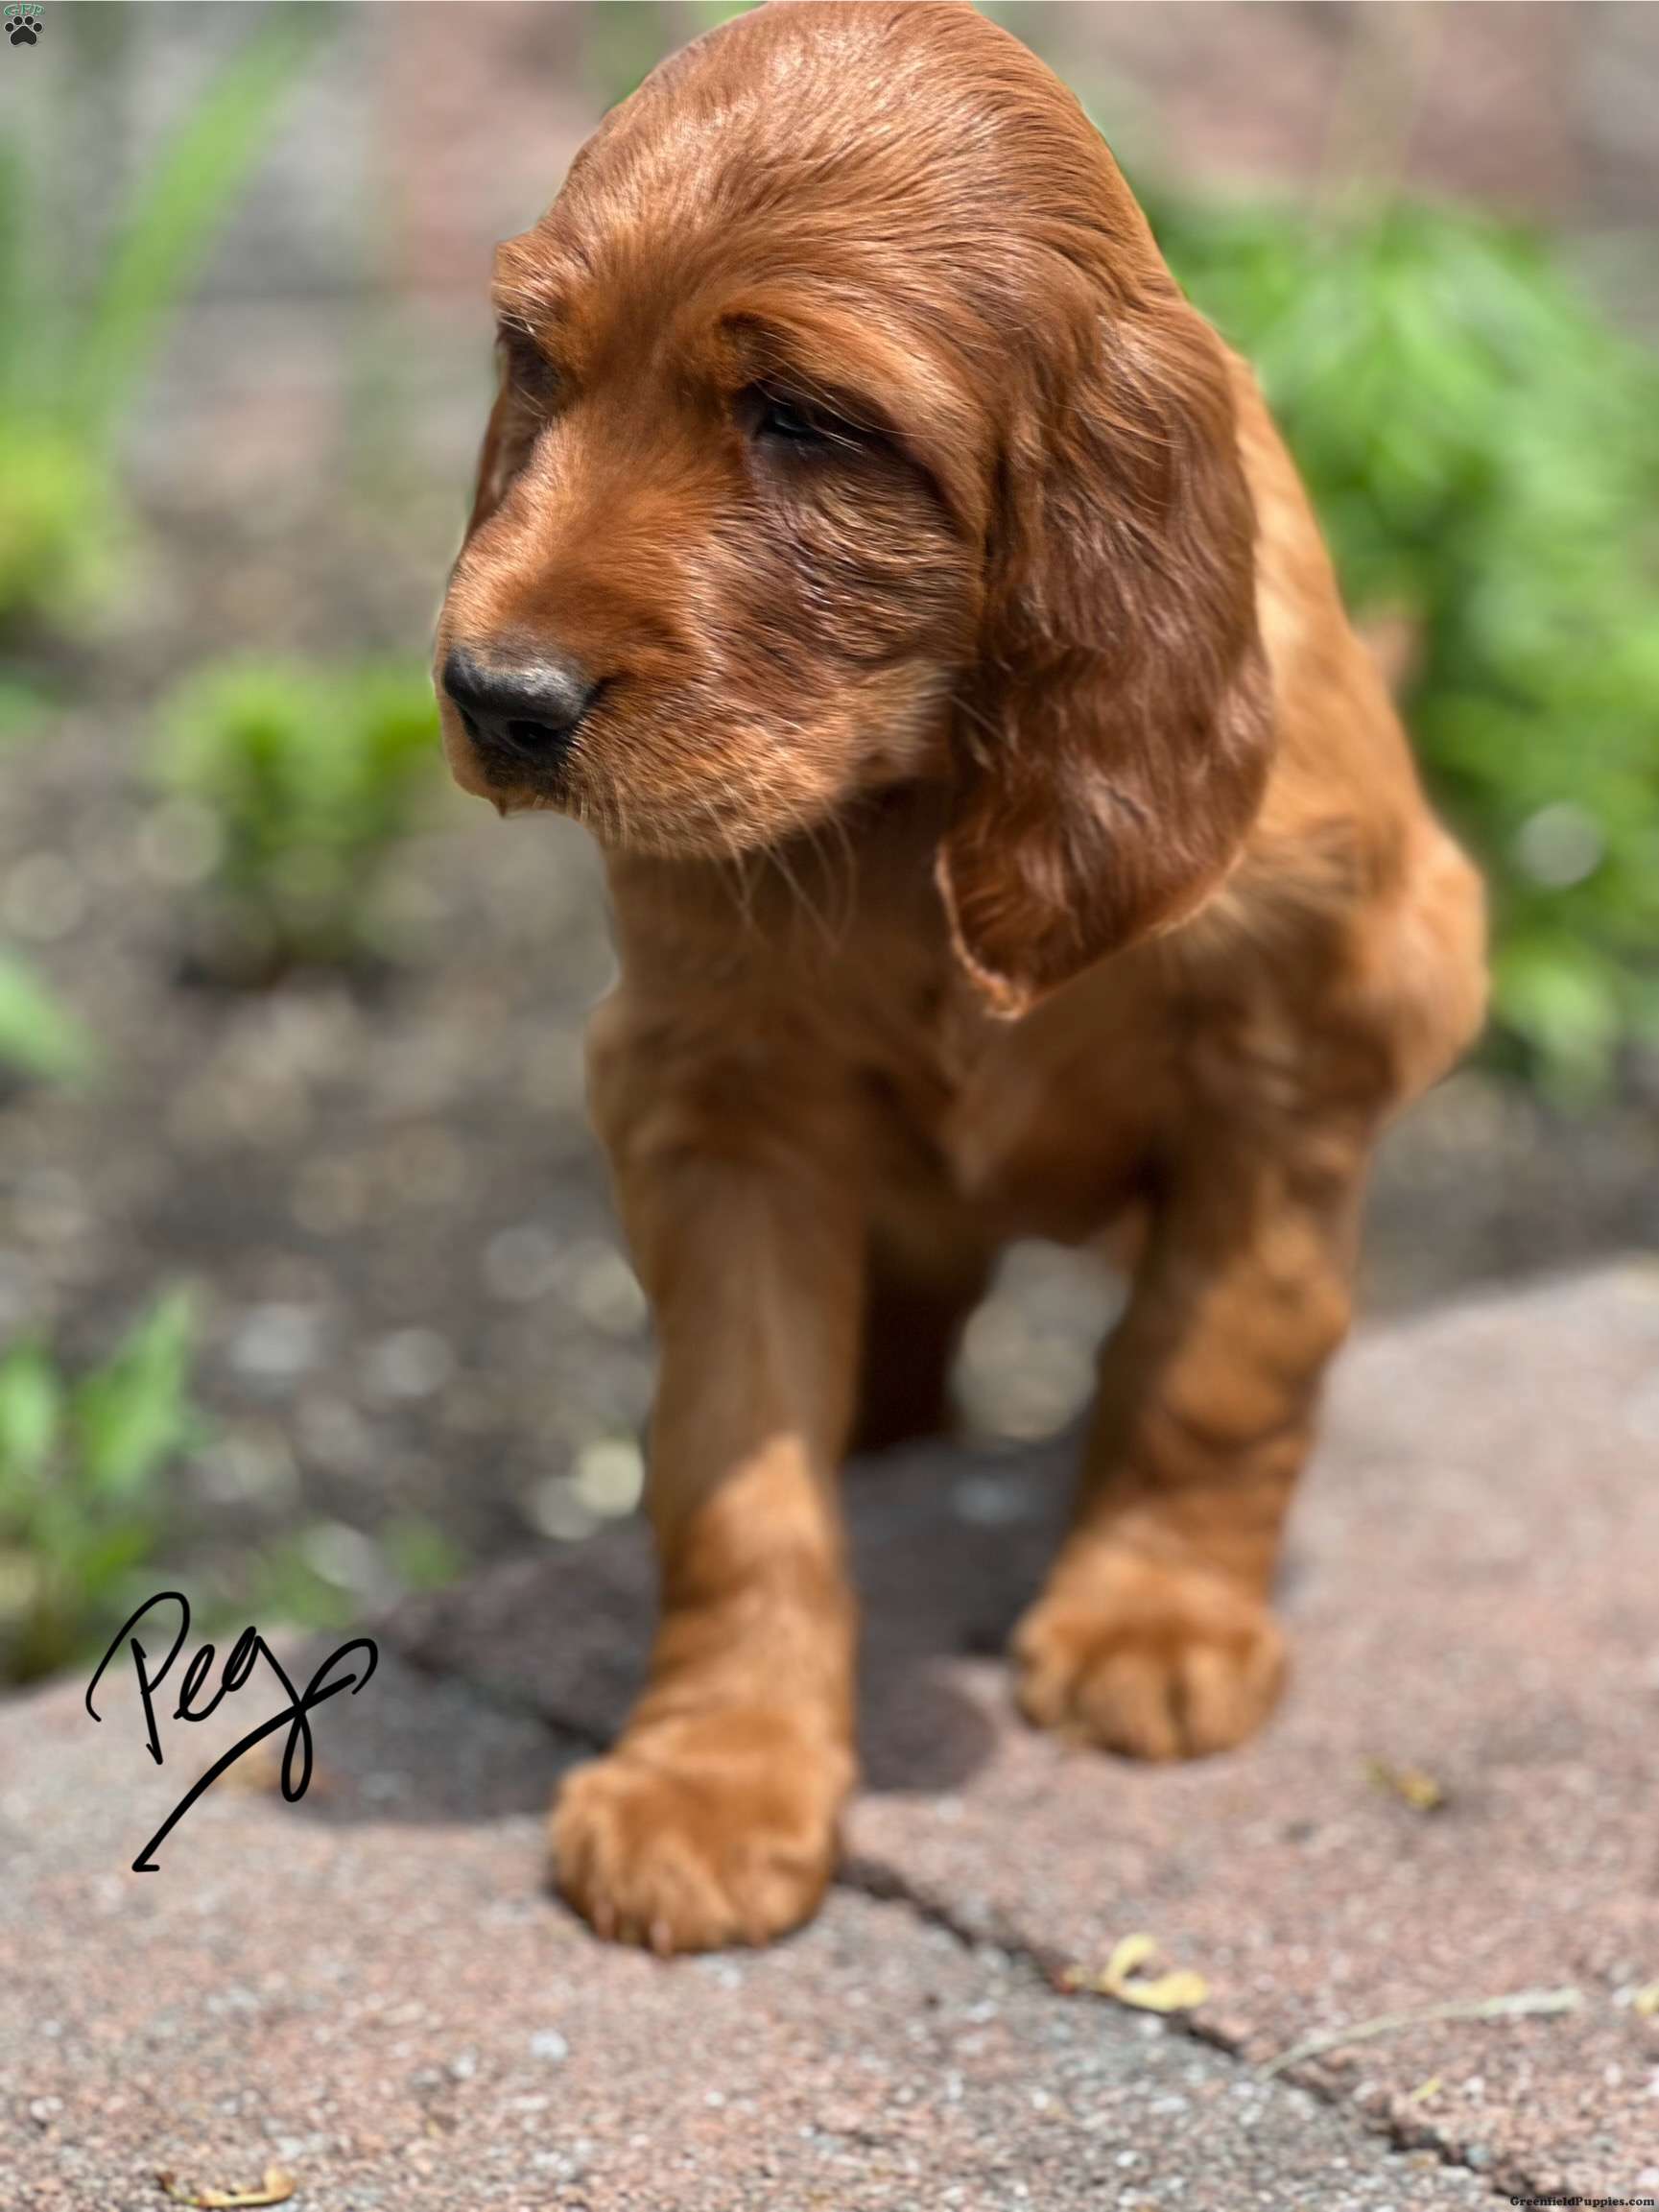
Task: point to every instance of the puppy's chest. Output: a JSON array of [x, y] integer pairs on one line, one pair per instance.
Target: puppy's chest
[[916, 1044], [1041, 1123], [929, 1072]]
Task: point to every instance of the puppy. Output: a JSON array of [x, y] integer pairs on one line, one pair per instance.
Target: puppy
[[1007, 833]]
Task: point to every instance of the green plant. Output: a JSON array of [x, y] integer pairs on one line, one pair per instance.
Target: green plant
[[309, 773], [72, 365], [625, 39], [1484, 449], [82, 1472], [302, 1580], [40, 1039], [420, 1555]]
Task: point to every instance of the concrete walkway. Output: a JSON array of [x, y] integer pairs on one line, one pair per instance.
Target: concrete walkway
[[369, 1991]]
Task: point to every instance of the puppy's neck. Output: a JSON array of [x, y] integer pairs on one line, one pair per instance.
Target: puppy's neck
[[837, 902]]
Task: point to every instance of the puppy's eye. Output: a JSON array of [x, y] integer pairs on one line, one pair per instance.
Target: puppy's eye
[[529, 375], [781, 418]]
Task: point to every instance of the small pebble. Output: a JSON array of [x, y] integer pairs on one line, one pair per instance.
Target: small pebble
[[278, 1342], [410, 1364], [521, 1264], [610, 1477]]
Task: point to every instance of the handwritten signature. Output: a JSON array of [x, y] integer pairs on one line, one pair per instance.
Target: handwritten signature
[[244, 1656]]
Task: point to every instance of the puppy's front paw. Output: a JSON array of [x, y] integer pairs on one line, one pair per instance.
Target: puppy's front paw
[[699, 1832], [1159, 1662]]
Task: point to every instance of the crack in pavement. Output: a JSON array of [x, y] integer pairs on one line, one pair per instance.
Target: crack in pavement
[[862, 1875], [881, 1880]]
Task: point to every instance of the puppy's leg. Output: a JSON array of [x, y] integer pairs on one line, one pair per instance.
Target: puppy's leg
[[714, 1819], [1153, 1636]]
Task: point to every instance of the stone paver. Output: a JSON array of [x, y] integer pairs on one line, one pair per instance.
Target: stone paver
[[1475, 1591], [370, 1988]]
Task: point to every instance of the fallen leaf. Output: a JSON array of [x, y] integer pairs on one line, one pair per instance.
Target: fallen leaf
[[1409, 1784], [1178, 1992], [1128, 1958], [1424, 2090], [1646, 2001], [276, 2188], [1121, 1980]]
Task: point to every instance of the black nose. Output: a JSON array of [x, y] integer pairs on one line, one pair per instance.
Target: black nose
[[532, 707]]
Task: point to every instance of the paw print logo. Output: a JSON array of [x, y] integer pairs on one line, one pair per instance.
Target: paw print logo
[[23, 26]]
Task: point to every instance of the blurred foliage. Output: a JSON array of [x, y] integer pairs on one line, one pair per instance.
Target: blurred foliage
[[84, 1468], [40, 1040], [308, 774], [1484, 449], [24, 706], [86, 1510], [420, 1555], [314, 1580], [73, 364], [623, 40]]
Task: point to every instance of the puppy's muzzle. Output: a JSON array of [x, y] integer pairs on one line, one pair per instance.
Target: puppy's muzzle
[[525, 711]]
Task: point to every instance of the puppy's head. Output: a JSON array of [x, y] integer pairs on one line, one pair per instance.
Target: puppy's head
[[851, 431]]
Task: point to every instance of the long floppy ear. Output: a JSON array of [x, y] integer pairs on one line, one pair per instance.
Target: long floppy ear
[[1112, 745]]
